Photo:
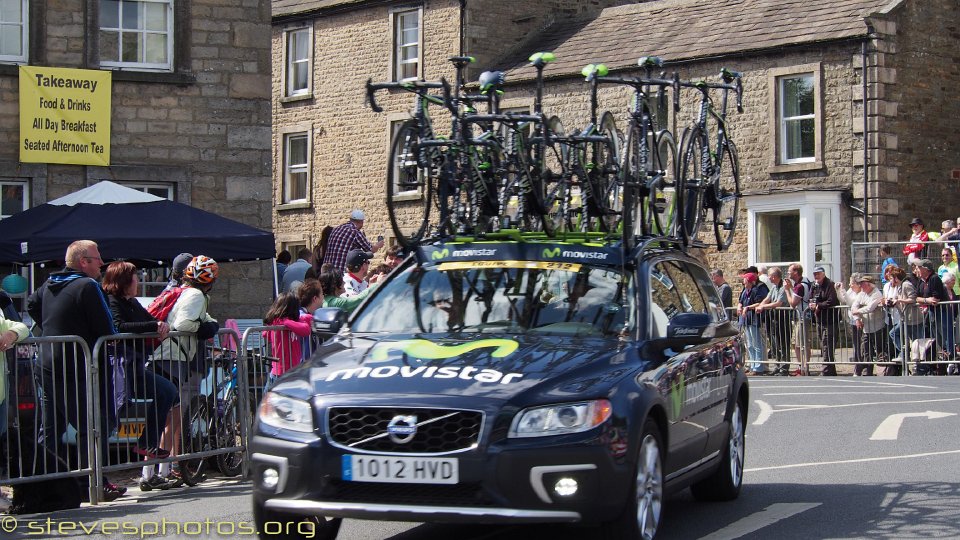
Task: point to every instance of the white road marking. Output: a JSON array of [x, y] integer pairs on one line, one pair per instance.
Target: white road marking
[[845, 383], [755, 522], [765, 412], [847, 461], [889, 429], [867, 393]]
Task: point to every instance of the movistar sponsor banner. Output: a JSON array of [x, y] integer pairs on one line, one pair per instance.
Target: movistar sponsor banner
[[522, 251]]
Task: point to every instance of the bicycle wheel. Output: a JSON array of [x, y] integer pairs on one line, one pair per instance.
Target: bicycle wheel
[[196, 438], [636, 209], [557, 197], [727, 189], [406, 179], [607, 160], [227, 436], [663, 190], [690, 198]]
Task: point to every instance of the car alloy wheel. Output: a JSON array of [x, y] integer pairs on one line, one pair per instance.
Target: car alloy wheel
[[649, 486]]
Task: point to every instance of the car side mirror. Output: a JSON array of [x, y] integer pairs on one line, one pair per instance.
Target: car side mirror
[[691, 326], [328, 320]]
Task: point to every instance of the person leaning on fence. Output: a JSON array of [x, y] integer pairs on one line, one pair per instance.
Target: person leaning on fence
[[285, 344], [939, 323], [823, 303], [948, 265], [71, 303], [310, 296], [750, 298], [798, 292], [177, 357], [867, 306], [120, 282], [903, 298], [777, 320], [847, 296]]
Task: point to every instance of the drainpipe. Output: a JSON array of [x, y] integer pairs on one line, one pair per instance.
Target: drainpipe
[[463, 20], [866, 138]]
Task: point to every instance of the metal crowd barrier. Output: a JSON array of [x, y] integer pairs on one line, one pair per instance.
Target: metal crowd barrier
[[226, 383], [926, 346]]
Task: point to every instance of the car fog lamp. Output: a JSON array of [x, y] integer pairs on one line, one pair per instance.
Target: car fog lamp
[[566, 487], [270, 478]]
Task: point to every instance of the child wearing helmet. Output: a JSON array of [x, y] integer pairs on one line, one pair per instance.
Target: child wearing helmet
[[176, 357]]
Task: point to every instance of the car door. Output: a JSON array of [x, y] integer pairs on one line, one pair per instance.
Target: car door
[[673, 291]]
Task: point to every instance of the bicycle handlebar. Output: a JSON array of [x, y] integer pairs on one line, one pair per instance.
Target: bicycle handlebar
[[410, 86]]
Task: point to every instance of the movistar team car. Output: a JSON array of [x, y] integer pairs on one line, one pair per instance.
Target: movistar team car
[[515, 381]]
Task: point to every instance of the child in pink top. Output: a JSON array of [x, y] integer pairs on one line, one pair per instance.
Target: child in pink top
[[285, 344]]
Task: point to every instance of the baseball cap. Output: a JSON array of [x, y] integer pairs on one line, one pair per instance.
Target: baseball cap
[[819, 269], [180, 263], [357, 215], [916, 221], [356, 257], [867, 278], [926, 263], [750, 276]]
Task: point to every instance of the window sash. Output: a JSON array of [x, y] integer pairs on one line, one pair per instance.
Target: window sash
[[299, 48], [16, 198], [407, 45], [797, 130], [157, 189], [296, 169], [14, 30], [136, 34]]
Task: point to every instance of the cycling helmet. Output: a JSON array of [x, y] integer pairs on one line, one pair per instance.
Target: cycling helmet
[[202, 269]]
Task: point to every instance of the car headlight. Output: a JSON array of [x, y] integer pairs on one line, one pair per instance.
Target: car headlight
[[286, 413], [560, 419]]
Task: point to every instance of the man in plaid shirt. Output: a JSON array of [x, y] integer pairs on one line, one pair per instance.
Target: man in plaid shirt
[[345, 238]]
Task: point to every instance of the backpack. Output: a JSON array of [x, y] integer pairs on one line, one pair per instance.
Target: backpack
[[160, 307], [805, 301]]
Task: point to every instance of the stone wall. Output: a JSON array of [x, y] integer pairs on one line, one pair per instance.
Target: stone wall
[[204, 127]]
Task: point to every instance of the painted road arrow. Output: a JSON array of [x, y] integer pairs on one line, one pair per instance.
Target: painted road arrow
[[889, 429]]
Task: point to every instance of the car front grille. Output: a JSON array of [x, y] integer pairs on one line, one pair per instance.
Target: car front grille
[[438, 431]]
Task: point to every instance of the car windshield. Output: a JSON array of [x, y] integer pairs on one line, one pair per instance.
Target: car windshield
[[501, 296]]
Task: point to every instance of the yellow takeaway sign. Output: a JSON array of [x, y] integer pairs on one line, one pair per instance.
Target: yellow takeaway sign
[[64, 115]]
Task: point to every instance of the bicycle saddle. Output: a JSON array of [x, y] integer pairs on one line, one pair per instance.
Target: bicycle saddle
[[650, 61], [491, 80]]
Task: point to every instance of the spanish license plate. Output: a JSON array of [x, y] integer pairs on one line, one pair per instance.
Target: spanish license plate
[[131, 431], [400, 470]]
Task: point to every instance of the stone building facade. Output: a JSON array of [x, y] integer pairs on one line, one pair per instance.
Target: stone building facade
[[847, 105], [191, 122]]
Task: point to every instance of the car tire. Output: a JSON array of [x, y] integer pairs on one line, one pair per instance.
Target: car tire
[[641, 515], [724, 484], [281, 526]]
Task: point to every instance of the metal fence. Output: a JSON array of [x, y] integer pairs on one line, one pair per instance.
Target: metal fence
[[867, 259], [73, 417], [923, 342]]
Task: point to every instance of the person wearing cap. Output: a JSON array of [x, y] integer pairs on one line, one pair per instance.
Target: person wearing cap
[[346, 238], [179, 264], [778, 330], [848, 297], [355, 278], [823, 300], [904, 301], [294, 275], [750, 298], [930, 293], [867, 307], [917, 248]]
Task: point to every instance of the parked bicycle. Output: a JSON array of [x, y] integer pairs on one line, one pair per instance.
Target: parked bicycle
[[710, 174]]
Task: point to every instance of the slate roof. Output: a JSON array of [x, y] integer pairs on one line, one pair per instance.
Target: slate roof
[[679, 30], [286, 8]]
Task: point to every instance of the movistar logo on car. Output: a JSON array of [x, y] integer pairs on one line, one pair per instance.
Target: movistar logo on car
[[481, 252], [440, 254], [551, 253], [428, 350], [585, 255], [466, 373]]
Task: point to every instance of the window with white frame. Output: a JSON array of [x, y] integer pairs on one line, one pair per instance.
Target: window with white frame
[[157, 189], [299, 57], [296, 167], [136, 34], [14, 30], [793, 227], [406, 44], [16, 197], [797, 118]]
